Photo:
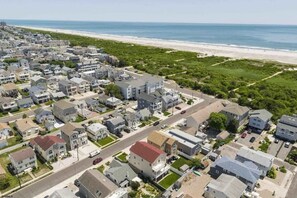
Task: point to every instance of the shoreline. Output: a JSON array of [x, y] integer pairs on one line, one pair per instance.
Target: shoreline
[[231, 51]]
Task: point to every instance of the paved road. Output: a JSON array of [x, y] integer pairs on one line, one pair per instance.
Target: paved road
[[292, 192], [56, 178]]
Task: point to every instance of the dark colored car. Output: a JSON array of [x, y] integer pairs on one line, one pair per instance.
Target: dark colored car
[[243, 135], [156, 123], [76, 183], [178, 108], [119, 135], [252, 139], [182, 112], [97, 160]]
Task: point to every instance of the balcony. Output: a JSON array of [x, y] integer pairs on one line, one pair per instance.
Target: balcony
[[160, 169]]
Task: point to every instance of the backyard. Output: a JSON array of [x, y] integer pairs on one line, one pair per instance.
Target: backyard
[[180, 162], [170, 179]]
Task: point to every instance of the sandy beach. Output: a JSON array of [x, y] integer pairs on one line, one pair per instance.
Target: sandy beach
[[236, 52]]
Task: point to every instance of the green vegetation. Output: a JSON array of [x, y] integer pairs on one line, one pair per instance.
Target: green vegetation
[[10, 60], [223, 142], [233, 126], [170, 179], [149, 121], [101, 168], [271, 173], [123, 157], [265, 145], [113, 90], [213, 75], [166, 113], [50, 102], [134, 185], [67, 63], [79, 118], [105, 141], [180, 162], [283, 169], [217, 121], [292, 156]]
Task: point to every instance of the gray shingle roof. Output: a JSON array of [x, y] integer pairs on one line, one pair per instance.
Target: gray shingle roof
[[289, 120], [229, 185], [263, 114], [249, 173], [236, 109], [121, 171], [258, 157]]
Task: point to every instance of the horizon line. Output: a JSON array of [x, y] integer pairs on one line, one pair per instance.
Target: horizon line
[[160, 22]]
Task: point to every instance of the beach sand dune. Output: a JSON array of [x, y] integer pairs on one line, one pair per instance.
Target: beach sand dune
[[236, 52]]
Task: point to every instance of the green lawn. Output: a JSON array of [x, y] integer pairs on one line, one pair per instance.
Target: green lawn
[[170, 179], [105, 141], [166, 113], [180, 162], [123, 157], [41, 170], [101, 168]]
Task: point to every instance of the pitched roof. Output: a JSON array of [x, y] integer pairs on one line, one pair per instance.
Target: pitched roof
[[146, 151], [263, 114], [22, 154], [9, 86], [25, 124], [289, 120], [121, 171], [46, 142], [70, 127], [159, 138], [63, 193], [229, 185], [4, 126], [95, 182], [236, 109], [62, 104], [248, 171], [257, 157]]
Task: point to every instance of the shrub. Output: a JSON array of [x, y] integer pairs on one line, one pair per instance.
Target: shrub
[[134, 185], [283, 169], [4, 183], [271, 173]]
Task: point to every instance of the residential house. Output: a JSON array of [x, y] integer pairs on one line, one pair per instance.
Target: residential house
[[225, 186], [152, 101], [22, 74], [148, 160], [22, 160], [74, 135], [144, 114], [113, 102], [262, 160], [287, 128], [120, 173], [9, 90], [45, 117], [57, 95], [82, 85], [131, 89], [163, 142], [7, 77], [246, 172], [93, 184], [94, 105], [115, 125], [223, 135], [259, 120], [64, 111], [8, 104], [68, 87], [63, 193], [131, 120], [236, 112], [49, 147], [197, 120], [25, 103], [5, 130], [85, 67], [97, 131], [170, 99], [39, 95], [27, 128], [39, 81], [187, 145], [94, 84]]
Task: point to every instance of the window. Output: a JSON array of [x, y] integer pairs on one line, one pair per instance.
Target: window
[[50, 152]]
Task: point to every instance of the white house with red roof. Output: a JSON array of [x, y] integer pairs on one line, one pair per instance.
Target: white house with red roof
[[49, 146], [148, 160]]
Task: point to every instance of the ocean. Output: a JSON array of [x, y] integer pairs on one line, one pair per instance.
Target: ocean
[[280, 37]]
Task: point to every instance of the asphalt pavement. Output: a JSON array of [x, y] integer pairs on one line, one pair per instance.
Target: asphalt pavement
[[56, 178]]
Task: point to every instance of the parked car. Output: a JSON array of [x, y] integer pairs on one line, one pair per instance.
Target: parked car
[[163, 126], [97, 160], [276, 141], [243, 135], [252, 139], [76, 183], [287, 144], [156, 123], [183, 112], [119, 135], [178, 108]]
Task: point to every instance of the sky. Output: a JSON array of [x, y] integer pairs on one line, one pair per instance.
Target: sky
[[186, 11]]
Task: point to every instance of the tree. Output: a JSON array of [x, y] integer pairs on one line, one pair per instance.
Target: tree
[[195, 162], [134, 185], [233, 126], [25, 116], [4, 183], [113, 90], [217, 121], [271, 173]]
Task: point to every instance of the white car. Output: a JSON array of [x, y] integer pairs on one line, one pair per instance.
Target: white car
[[287, 144]]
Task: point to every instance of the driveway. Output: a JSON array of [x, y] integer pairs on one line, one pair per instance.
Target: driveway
[[283, 152], [274, 147], [246, 141]]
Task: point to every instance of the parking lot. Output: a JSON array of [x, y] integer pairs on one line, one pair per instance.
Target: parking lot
[[279, 150], [246, 141]]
